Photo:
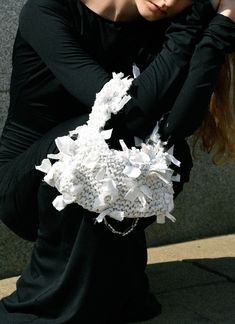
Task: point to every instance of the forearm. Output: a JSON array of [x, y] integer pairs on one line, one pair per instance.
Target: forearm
[[165, 75], [193, 100]]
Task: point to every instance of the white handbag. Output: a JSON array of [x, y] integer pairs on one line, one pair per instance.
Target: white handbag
[[132, 183]]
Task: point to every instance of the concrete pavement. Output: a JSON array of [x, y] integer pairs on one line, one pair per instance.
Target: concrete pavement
[[194, 281]]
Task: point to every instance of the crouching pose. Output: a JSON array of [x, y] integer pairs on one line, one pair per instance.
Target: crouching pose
[[64, 53]]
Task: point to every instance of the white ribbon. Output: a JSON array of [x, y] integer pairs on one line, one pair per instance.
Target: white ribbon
[[135, 70], [107, 133], [124, 148], [160, 176], [108, 189], [118, 215], [100, 175], [139, 158], [56, 156], [75, 131], [138, 191], [49, 178], [161, 218], [45, 166], [59, 203], [67, 198], [91, 160], [66, 145], [131, 171], [155, 135], [176, 178], [138, 141]]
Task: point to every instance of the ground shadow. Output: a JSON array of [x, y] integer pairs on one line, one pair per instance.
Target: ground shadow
[[194, 290]]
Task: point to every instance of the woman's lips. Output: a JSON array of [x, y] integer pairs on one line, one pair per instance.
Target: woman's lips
[[155, 7]]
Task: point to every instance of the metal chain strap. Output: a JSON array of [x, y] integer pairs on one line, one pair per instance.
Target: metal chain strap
[[126, 232]]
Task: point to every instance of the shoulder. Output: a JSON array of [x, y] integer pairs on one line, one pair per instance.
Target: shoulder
[[45, 11], [51, 7]]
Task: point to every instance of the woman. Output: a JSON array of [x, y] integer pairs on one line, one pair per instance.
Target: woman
[[64, 52]]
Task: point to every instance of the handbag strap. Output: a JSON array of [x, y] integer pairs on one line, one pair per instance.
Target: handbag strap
[[124, 233], [110, 100]]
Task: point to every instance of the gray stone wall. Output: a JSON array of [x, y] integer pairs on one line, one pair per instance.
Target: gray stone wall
[[9, 11], [205, 207], [14, 252]]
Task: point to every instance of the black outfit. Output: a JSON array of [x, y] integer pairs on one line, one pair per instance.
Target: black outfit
[[63, 54]]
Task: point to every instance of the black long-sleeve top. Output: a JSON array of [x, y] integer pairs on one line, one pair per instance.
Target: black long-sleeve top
[[64, 53]]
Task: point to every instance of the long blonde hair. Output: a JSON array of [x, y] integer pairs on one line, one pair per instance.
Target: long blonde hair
[[217, 131]]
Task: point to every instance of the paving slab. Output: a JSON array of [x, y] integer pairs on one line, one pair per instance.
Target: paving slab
[[174, 313], [14, 253], [7, 286], [192, 286], [213, 247], [212, 302], [170, 276], [222, 266], [186, 293]]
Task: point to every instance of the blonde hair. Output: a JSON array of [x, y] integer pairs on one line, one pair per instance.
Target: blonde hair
[[217, 131]]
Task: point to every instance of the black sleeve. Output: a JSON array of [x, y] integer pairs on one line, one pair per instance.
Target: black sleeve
[[46, 26], [193, 100]]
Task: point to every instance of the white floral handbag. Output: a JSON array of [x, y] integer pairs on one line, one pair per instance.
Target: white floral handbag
[[132, 183]]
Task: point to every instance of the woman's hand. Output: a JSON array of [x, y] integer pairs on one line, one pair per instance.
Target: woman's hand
[[215, 4], [227, 8]]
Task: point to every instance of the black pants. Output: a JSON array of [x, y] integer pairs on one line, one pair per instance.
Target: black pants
[[79, 272]]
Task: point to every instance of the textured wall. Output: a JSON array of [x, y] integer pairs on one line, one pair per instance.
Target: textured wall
[[14, 252], [205, 207], [9, 11]]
